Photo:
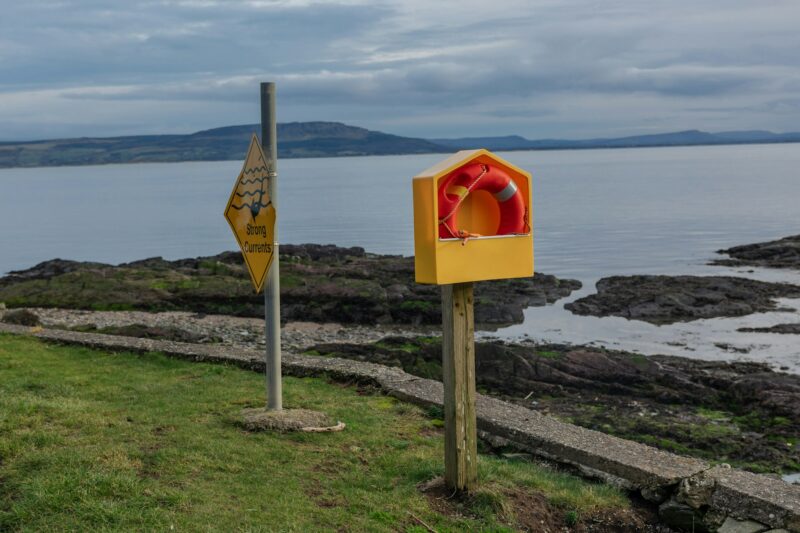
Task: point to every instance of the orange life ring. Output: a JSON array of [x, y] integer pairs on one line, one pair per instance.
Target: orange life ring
[[455, 188]]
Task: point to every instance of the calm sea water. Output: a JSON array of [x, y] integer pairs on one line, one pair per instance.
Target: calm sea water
[[596, 213]]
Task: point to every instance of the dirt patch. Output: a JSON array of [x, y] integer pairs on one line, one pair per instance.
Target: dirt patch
[[322, 499], [149, 465], [532, 512], [431, 431], [328, 466], [621, 521], [526, 510], [163, 430]]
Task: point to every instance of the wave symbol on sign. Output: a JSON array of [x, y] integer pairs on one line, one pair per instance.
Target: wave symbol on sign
[[252, 199]]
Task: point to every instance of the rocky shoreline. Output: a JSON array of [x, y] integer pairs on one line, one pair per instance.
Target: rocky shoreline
[[319, 283]]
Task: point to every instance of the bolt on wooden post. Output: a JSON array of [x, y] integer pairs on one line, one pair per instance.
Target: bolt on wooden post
[[463, 235]]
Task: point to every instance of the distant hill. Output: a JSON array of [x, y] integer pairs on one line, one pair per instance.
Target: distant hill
[[295, 139], [323, 139], [680, 138]]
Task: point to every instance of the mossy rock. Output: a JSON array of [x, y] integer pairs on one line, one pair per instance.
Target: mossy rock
[[22, 317]]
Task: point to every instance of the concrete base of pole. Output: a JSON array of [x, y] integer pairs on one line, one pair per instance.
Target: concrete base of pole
[[286, 420]]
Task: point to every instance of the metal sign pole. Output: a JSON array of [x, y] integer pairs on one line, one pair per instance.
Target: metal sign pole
[[272, 296]]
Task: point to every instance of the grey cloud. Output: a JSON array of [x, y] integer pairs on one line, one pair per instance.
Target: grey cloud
[[145, 41], [563, 67]]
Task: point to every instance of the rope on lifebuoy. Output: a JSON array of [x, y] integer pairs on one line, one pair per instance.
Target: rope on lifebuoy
[[507, 193], [461, 234]]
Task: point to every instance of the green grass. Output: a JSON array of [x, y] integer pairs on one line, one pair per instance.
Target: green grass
[[407, 347], [713, 414], [639, 360], [91, 441]]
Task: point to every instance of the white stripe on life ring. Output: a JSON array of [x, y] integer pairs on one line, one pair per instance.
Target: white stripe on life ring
[[507, 193]]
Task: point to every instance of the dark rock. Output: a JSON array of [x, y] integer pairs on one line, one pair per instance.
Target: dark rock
[[782, 253], [668, 299], [47, 270], [731, 348], [681, 517], [321, 252], [143, 331], [150, 262], [778, 392], [696, 491], [22, 317], [786, 329]]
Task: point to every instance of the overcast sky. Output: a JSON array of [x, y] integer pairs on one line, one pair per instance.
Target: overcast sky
[[428, 68]]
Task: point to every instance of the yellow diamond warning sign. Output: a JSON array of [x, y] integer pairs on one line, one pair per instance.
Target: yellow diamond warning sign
[[251, 215]]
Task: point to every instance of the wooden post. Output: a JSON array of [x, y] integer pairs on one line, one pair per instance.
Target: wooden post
[[458, 366]]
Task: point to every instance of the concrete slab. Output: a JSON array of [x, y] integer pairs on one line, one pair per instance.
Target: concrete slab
[[642, 466], [731, 525], [745, 495]]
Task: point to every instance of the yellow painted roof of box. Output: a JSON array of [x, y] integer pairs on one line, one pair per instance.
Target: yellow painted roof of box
[[461, 158]]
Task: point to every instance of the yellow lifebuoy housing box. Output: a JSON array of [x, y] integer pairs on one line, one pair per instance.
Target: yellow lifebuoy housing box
[[472, 220]]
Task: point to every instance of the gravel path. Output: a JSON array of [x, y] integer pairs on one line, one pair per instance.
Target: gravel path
[[227, 330]]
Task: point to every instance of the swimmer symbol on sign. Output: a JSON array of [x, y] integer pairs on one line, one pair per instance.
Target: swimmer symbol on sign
[[251, 215]]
